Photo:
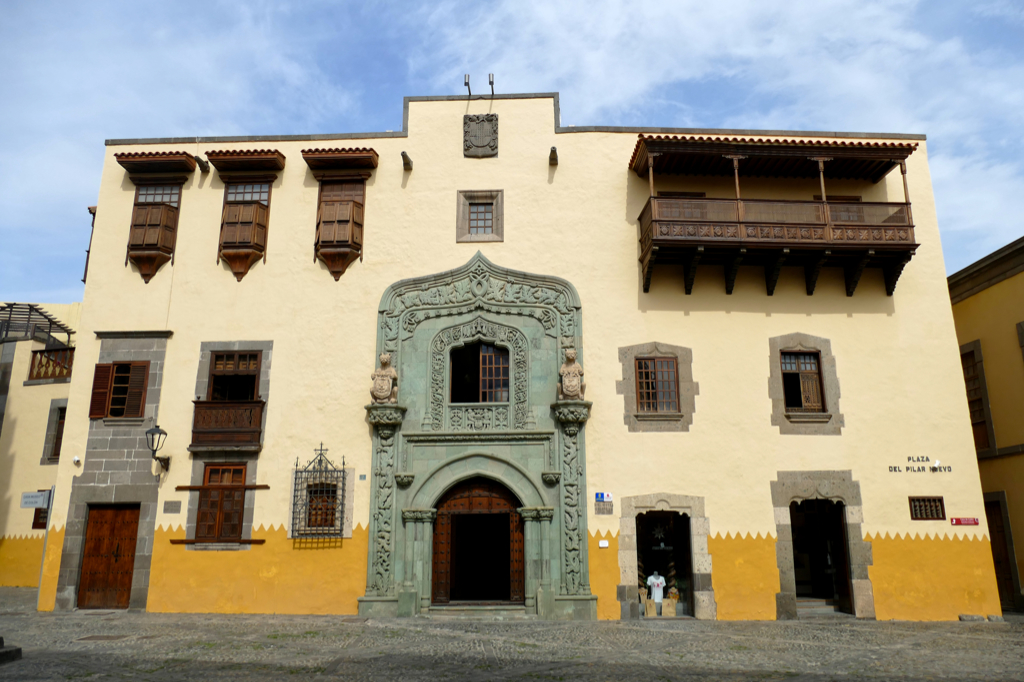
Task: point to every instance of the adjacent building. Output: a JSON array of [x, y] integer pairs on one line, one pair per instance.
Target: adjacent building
[[492, 363], [988, 309], [37, 355]]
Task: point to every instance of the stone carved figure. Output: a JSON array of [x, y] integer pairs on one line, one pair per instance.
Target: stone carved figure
[[572, 386], [385, 382]]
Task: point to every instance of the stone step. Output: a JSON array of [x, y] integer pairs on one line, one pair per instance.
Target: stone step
[[809, 608], [489, 612]]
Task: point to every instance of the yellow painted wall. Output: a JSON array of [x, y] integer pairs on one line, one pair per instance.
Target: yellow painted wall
[[280, 576], [991, 316], [745, 576], [898, 365], [21, 449], [1007, 474], [932, 578], [20, 559], [51, 569], [604, 574]]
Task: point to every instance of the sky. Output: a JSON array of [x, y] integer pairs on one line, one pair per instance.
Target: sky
[[77, 73]]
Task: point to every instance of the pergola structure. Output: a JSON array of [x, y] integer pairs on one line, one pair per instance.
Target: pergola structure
[[694, 231], [23, 321]]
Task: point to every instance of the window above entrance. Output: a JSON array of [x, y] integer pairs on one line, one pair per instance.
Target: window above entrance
[[479, 374]]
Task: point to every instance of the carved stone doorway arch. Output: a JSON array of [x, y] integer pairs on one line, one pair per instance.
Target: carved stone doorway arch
[[704, 607]]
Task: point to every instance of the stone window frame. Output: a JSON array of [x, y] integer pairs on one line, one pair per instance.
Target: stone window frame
[[467, 196], [827, 423], [975, 347], [51, 431], [688, 388], [227, 454], [704, 605], [838, 486]]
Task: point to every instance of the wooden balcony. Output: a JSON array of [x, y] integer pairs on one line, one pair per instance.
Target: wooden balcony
[[227, 425], [775, 234], [52, 364], [339, 235]]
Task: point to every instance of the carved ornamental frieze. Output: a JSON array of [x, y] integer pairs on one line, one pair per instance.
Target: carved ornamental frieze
[[480, 135]]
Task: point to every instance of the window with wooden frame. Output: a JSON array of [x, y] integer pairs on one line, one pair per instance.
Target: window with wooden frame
[[58, 437], [243, 228], [339, 224], [234, 376], [154, 227], [801, 382], [927, 509], [119, 390], [479, 374], [40, 515], [976, 399], [221, 503], [657, 385]]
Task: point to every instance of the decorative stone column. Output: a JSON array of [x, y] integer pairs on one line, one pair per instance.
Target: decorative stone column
[[386, 420], [537, 528], [571, 416], [417, 523]]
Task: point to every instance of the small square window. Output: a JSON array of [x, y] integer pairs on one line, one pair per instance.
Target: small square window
[[927, 509], [479, 216]]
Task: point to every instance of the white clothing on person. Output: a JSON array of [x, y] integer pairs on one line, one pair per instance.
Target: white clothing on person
[[657, 584]]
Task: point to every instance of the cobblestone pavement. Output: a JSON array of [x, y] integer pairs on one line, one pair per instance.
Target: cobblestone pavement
[[114, 645]]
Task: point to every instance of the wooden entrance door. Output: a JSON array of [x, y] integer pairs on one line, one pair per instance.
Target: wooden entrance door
[[108, 559], [476, 496], [1000, 553]]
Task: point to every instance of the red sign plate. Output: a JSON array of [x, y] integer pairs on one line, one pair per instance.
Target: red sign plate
[[963, 521]]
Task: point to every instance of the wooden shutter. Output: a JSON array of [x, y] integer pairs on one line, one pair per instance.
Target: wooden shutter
[[259, 228], [135, 403], [140, 218], [206, 520], [168, 226], [810, 389], [100, 400], [230, 224]]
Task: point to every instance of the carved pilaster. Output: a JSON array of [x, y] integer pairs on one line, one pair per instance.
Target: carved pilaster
[[571, 416], [386, 420]]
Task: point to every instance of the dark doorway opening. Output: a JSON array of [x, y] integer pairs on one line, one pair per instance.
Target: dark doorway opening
[[108, 557], [480, 557], [821, 563], [478, 545], [663, 545], [1001, 556]]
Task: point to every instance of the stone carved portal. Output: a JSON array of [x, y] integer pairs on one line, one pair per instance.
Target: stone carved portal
[[533, 445]]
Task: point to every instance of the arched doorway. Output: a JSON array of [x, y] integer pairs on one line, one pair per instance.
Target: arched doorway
[[478, 545]]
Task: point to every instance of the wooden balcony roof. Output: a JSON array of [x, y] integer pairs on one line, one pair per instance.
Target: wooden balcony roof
[[340, 158], [247, 160], [156, 162], [767, 157]]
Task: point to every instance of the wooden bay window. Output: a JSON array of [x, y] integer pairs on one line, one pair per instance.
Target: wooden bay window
[[232, 412], [339, 224], [243, 228]]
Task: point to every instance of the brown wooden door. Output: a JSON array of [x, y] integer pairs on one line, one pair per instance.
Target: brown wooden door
[[1000, 552], [476, 496], [108, 559]]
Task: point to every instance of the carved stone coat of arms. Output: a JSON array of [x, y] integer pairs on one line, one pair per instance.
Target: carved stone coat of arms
[[480, 135]]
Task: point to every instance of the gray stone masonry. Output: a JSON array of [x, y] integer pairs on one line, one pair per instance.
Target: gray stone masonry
[[116, 469]]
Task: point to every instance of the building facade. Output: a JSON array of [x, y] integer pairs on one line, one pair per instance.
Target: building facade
[[988, 309], [36, 360], [493, 363]]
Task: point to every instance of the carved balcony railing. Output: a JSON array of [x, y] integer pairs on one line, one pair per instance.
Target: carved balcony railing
[[773, 234], [339, 235], [227, 423], [51, 364]]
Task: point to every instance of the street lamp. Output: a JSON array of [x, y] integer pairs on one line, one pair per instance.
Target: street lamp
[[155, 440]]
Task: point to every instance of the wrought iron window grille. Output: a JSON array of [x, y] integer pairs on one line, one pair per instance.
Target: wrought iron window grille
[[318, 499]]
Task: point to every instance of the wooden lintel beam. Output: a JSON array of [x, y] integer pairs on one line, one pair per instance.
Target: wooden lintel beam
[[891, 272], [773, 269], [732, 269], [854, 270], [690, 268], [648, 268], [813, 269]]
